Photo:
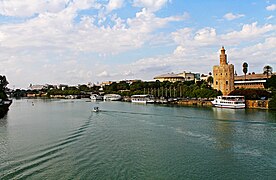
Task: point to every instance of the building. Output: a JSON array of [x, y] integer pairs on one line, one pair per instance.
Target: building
[[251, 81], [36, 87], [188, 76], [223, 75], [106, 83], [169, 77]]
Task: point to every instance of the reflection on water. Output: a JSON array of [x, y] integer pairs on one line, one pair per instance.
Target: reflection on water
[[64, 139], [3, 121]]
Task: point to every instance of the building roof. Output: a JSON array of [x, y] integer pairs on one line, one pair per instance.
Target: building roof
[[251, 77], [169, 76], [36, 87]]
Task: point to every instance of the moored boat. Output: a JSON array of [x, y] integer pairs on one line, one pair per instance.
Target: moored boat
[[112, 97], [143, 98], [4, 106], [233, 102], [96, 97]]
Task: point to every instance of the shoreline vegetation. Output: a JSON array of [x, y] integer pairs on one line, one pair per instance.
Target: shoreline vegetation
[[4, 100]]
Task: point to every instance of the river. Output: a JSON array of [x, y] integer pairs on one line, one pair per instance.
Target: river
[[64, 139]]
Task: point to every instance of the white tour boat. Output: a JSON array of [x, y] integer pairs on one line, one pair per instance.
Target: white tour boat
[[96, 97], [144, 98], [234, 102], [112, 97]]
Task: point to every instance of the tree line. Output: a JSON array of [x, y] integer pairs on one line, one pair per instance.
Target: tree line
[[187, 89]]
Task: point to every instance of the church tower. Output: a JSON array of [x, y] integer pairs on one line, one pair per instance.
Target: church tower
[[224, 74]]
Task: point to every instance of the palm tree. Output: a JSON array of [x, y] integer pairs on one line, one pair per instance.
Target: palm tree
[[267, 70], [245, 69]]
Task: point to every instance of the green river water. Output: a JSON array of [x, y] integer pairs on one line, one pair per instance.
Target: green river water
[[64, 139]]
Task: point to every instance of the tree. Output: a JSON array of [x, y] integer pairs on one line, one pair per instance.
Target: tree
[[245, 69], [3, 84], [272, 103], [210, 80], [271, 83], [267, 71]]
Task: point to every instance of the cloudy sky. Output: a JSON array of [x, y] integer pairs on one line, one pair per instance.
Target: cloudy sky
[[80, 41]]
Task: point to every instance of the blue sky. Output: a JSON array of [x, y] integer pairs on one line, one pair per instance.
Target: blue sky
[[80, 41]]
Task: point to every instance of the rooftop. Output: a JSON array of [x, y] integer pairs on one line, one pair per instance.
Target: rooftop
[[251, 77], [169, 76]]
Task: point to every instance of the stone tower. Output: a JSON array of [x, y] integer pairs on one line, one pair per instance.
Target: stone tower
[[224, 74]]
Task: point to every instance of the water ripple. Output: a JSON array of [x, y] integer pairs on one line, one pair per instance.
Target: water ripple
[[14, 169]]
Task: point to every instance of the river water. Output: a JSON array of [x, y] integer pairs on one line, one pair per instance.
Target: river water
[[64, 139]]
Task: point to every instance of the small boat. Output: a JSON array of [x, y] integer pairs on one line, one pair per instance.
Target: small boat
[[112, 97], [233, 102], [143, 98], [96, 109]]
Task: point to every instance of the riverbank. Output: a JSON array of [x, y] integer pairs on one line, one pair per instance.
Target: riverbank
[[189, 102], [249, 104]]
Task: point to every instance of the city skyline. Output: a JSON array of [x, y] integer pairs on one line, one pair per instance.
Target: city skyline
[[79, 41]]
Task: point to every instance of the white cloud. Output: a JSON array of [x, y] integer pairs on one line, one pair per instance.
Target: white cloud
[[104, 74], [257, 55], [199, 49], [29, 7], [272, 7], [231, 16], [59, 30], [54, 35], [54, 47], [152, 5], [269, 17], [206, 35], [128, 73], [114, 4], [248, 32]]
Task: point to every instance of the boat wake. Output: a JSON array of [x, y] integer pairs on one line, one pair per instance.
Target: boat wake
[[200, 118], [26, 165]]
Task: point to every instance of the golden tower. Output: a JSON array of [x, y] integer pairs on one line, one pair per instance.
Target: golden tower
[[224, 74]]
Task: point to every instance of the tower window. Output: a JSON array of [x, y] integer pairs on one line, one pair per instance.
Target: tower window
[[226, 74], [226, 82], [216, 83]]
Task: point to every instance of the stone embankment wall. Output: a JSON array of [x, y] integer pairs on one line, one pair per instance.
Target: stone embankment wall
[[194, 103], [257, 104]]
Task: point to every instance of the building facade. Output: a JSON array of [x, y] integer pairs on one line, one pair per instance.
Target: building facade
[[169, 77], [223, 75], [188, 76], [251, 81]]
